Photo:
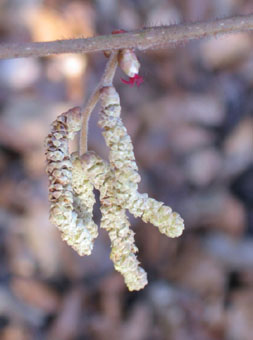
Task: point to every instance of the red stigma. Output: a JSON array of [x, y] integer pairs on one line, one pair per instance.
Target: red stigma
[[118, 31], [136, 79]]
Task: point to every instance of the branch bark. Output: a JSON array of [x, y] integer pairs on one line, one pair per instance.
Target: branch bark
[[143, 39]]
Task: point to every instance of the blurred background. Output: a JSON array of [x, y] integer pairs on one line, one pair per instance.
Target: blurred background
[[192, 129]]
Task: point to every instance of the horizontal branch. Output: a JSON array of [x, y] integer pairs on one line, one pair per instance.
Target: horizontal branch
[[146, 38]]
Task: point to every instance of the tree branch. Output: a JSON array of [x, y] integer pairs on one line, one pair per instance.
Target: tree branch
[[146, 38]]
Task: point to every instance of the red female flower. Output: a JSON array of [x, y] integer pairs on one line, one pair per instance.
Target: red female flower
[[129, 64], [136, 79]]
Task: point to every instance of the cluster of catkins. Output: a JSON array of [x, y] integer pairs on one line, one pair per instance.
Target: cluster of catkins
[[72, 180]]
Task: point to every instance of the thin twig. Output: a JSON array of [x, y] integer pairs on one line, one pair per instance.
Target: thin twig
[[106, 79], [146, 38]]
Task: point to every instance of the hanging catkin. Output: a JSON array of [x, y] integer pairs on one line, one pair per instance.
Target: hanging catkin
[[67, 211], [115, 221], [125, 170]]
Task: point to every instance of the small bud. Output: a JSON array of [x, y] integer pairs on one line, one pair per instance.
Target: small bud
[[128, 62]]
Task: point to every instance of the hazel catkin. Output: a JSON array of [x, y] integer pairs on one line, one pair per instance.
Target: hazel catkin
[[122, 160], [66, 210]]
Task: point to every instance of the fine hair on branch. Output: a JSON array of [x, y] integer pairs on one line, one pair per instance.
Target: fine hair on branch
[[143, 39]]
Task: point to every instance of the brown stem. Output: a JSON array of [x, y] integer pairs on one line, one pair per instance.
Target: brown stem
[[106, 79], [146, 38]]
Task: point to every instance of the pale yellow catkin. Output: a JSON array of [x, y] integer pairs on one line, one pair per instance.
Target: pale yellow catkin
[[115, 221], [83, 190], [123, 162], [66, 210]]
